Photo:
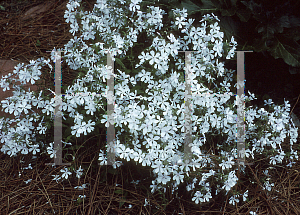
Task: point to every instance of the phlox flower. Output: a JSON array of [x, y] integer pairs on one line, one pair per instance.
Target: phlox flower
[[198, 197], [72, 5], [56, 178], [4, 84], [154, 113], [79, 172], [83, 186], [178, 177], [65, 172], [163, 178], [233, 200], [231, 181], [218, 47], [180, 21], [134, 5], [82, 127], [23, 106], [34, 148], [51, 151]]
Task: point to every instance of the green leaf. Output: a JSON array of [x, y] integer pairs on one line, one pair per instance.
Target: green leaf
[[64, 125], [228, 8], [229, 27], [2, 8], [75, 147], [292, 33], [38, 43], [206, 6], [259, 45], [244, 15], [79, 200], [217, 3], [233, 2], [229, 12], [190, 6], [121, 203], [253, 6], [118, 61], [118, 191], [112, 171], [286, 49]]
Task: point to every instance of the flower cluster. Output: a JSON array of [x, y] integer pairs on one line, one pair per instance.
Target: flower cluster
[[149, 97]]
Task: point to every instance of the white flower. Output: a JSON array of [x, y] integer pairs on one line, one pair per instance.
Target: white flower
[[70, 17], [178, 176], [51, 151], [227, 164], [231, 181], [82, 127], [152, 116], [233, 200], [218, 47], [34, 149], [163, 178], [48, 107], [83, 186], [198, 197], [146, 202], [268, 186], [23, 106], [29, 180], [180, 21], [65, 172], [134, 5], [268, 102], [72, 5], [41, 128], [245, 195], [56, 178], [4, 84], [79, 172], [78, 118]]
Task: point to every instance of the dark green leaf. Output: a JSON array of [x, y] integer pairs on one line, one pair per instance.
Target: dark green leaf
[[294, 70], [288, 21], [244, 15], [38, 43], [79, 200], [206, 6], [217, 3], [260, 28], [294, 21], [259, 45], [118, 61], [228, 26], [286, 49], [233, 2], [75, 147], [292, 33], [118, 191], [228, 12], [190, 6], [253, 6], [112, 171], [121, 204], [228, 8]]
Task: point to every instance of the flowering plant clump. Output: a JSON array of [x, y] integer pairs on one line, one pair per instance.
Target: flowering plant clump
[[149, 98]]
